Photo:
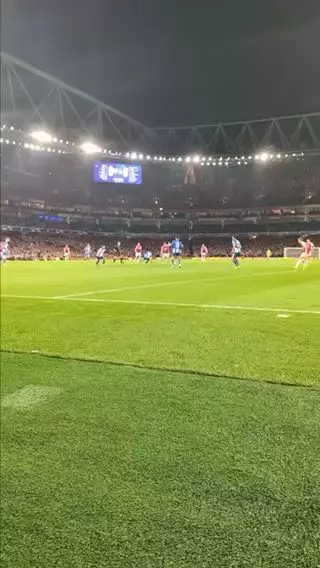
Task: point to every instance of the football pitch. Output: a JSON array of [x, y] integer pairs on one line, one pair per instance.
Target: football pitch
[[160, 418]]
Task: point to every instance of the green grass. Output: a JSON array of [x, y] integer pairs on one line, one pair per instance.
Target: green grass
[[226, 342], [107, 465]]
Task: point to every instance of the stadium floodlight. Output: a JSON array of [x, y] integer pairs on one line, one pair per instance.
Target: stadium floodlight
[[134, 155], [278, 156], [264, 157], [188, 159], [90, 148], [148, 157], [179, 159], [196, 159], [141, 156], [41, 136]]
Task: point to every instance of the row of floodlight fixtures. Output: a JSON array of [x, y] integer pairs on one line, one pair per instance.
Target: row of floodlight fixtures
[[90, 148]]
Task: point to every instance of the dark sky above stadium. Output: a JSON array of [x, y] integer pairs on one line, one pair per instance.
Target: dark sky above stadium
[[176, 61]]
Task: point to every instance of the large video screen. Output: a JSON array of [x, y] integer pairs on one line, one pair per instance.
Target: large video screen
[[108, 172]]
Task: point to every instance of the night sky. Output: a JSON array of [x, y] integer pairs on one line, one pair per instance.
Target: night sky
[[176, 62]]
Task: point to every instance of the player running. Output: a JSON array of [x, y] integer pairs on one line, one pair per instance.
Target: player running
[[203, 252], [147, 257], [100, 256], [165, 252], [236, 251], [138, 252], [66, 252], [87, 252], [305, 256], [5, 251], [118, 253], [176, 248]]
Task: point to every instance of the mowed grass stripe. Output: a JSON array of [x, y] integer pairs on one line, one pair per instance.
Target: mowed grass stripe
[[145, 366], [155, 303], [161, 284]]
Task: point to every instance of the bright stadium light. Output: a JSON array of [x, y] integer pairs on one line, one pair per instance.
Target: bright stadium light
[[188, 159], [196, 159], [90, 148], [41, 136], [134, 155], [264, 157]]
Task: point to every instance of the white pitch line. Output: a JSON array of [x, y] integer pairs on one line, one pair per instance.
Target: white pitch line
[[167, 283], [172, 304]]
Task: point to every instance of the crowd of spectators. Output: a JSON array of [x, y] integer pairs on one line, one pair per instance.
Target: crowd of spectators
[[56, 195], [66, 180], [42, 246]]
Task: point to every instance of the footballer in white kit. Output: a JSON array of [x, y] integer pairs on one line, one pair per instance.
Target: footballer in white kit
[[100, 255], [5, 250], [87, 251]]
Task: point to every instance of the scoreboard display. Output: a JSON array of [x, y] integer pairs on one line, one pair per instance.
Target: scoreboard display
[[109, 172]]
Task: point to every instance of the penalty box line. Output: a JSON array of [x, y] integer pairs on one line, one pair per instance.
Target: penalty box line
[[166, 283], [169, 304]]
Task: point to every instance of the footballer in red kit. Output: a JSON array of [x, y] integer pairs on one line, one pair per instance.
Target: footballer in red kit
[[307, 247], [138, 252], [165, 251], [203, 252]]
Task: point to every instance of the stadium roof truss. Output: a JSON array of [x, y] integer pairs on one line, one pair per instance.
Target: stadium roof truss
[[297, 132], [30, 97]]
